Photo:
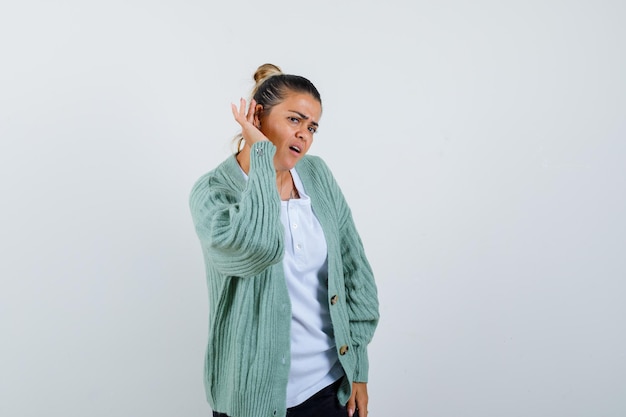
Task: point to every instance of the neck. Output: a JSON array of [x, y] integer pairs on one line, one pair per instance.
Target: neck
[[284, 183], [283, 176], [243, 158]]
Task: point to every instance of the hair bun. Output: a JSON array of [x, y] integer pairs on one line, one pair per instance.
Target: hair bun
[[266, 71]]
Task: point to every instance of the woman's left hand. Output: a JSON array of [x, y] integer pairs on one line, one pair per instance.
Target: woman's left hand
[[358, 400]]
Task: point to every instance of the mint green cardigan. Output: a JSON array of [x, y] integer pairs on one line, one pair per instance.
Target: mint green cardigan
[[241, 236]]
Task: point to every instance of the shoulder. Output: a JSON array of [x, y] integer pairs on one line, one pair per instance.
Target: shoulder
[[315, 173], [313, 165], [225, 175], [205, 179]]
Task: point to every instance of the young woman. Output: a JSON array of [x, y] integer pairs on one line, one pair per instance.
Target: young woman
[[293, 302]]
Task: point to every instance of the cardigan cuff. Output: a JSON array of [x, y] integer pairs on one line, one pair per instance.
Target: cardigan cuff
[[361, 367], [262, 156]]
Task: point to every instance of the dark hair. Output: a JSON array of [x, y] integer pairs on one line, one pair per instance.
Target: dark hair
[[272, 86]]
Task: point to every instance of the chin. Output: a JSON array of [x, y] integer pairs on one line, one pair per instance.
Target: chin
[[291, 163]]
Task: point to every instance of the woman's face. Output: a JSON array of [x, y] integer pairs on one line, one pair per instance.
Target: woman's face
[[290, 126]]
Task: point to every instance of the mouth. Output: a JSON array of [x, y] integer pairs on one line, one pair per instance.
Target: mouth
[[295, 148]]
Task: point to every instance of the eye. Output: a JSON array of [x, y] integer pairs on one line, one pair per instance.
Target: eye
[[294, 119], [312, 129]]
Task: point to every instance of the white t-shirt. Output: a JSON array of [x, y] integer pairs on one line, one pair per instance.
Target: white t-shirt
[[314, 361]]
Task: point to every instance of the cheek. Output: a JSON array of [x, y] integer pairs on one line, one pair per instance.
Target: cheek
[[272, 134]]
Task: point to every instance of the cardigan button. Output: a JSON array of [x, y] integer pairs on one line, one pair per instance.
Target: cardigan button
[[334, 299], [343, 350], [259, 151]]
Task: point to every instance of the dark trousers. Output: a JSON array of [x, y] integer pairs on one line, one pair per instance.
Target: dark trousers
[[322, 404]]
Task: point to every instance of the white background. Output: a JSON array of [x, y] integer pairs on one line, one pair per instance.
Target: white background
[[481, 146]]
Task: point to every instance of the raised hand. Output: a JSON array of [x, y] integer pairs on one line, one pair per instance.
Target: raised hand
[[250, 132]]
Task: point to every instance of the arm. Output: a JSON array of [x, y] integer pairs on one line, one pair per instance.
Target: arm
[[361, 300], [361, 293], [360, 287], [240, 231]]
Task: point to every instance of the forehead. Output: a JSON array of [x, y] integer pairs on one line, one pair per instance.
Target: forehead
[[303, 103]]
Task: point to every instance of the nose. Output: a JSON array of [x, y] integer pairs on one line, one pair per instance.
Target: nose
[[303, 134]]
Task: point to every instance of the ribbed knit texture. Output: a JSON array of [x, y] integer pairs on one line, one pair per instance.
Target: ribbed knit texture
[[241, 235]]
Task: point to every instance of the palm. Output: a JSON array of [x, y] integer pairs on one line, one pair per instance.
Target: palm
[[246, 120]]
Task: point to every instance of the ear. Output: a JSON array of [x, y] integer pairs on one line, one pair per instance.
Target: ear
[[258, 113]]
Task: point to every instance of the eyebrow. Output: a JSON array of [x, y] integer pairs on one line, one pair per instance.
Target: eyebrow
[[305, 117]]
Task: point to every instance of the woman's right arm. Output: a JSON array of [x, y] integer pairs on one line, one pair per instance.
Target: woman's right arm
[[241, 232]]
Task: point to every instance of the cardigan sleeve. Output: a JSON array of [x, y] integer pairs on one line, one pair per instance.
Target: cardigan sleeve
[[360, 286], [361, 294], [240, 232]]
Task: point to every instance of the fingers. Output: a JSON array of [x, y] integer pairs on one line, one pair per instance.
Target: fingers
[[234, 110], [239, 114], [251, 111], [351, 406], [245, 117], [358, 401], [361, 406]]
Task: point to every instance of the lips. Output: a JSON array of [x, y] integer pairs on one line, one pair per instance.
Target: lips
[[295, 148]]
